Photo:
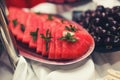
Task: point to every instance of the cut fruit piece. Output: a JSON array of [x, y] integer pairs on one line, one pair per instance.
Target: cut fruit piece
[[58, 43], [48, 25], [52, 48], [12, 12], [16, 21], [73, 50], [12, 28], [85, 36], [31, 26], [83, 48], [43, 19], [37, 24], [39, 39]]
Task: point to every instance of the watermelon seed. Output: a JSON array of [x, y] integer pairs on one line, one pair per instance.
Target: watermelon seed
[[15, 22], [22, 27], [62, 20], [50, 17], [34, 34]]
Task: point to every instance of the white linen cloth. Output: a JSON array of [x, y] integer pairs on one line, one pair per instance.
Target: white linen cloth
[[36, 71], [40, 71], [32, 70]]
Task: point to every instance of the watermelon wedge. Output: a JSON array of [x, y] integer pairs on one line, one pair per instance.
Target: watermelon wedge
[[20, 18], [48, 25], [52, 46], [39, 39], [31, 26]]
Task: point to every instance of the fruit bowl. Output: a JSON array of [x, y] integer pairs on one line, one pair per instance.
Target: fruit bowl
[[103, 24]]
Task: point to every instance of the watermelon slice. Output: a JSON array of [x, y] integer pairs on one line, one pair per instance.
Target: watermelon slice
[[52, 47], [39, 39], [76, 49], [85, 36], [87, 40], [58, 43], [42, 20], [51, 54], [12, 28], [20, 19], [48, 25], [12, 17], [31, 26], [37, 25], [12, 12]]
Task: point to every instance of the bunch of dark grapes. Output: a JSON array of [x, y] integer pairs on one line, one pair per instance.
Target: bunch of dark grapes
[[103, 24]]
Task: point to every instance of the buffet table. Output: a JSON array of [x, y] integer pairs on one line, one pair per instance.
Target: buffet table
[[95, 67]]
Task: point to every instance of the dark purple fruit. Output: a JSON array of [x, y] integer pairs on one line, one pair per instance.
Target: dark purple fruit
[[100, 8], [97, 39], [108, 12], [117, 17], [77, 16], [116, 39], [107, 25], [113, 29], [88, 13], [107, 40], [104, 25], [116, 9]]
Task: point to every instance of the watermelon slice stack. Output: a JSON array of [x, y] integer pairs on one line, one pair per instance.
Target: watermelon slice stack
[[51, 37]]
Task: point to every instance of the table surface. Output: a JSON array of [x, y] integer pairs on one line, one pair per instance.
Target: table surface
[[102, 61]]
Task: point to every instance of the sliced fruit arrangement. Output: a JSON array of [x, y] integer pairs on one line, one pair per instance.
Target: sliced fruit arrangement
[[103, 24], [50, 36]]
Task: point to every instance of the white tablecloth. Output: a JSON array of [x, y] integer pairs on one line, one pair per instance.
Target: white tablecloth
[[29, 68], [32, 70]]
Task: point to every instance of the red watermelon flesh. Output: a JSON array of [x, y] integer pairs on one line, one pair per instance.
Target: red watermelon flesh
[[52, 47], [83, 35], [37, 25], [60, 20], [48, 25], [31, 26], [86, 35], [51, 54], [12, 16], [68, 49], [43, 18], [12, 28], [21, 18], [58, 43], [39, 39], [76, 49], [84, 48], [12, 12], [61, 44]]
